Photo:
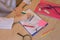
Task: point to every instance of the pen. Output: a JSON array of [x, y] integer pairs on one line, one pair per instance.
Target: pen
[[29, 26], [31, 18], [47, 32]]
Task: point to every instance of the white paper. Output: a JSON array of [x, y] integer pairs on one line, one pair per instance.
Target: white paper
[[34, 21], [6, 23]]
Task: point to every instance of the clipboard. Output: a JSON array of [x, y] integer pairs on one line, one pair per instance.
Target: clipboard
[[33, 23]]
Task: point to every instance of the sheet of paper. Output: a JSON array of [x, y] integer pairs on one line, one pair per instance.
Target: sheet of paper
[[6, 23], [34, 23]]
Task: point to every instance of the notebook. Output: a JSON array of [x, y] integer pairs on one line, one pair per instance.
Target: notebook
[[33, 24]]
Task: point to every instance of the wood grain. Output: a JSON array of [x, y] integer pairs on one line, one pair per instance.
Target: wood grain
[[54, 35]]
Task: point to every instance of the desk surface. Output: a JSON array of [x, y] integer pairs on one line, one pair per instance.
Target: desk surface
[[52, 23]]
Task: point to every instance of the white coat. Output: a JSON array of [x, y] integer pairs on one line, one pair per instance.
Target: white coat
[[6, 6]]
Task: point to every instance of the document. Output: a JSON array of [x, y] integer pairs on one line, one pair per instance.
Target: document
[[33, 23]]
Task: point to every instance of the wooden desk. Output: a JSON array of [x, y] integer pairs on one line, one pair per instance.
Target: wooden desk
[[54, 35]]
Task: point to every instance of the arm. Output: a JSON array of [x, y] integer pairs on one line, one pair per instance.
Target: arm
[[16, 14]]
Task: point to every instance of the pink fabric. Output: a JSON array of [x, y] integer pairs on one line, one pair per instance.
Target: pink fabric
[[52, 12]]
